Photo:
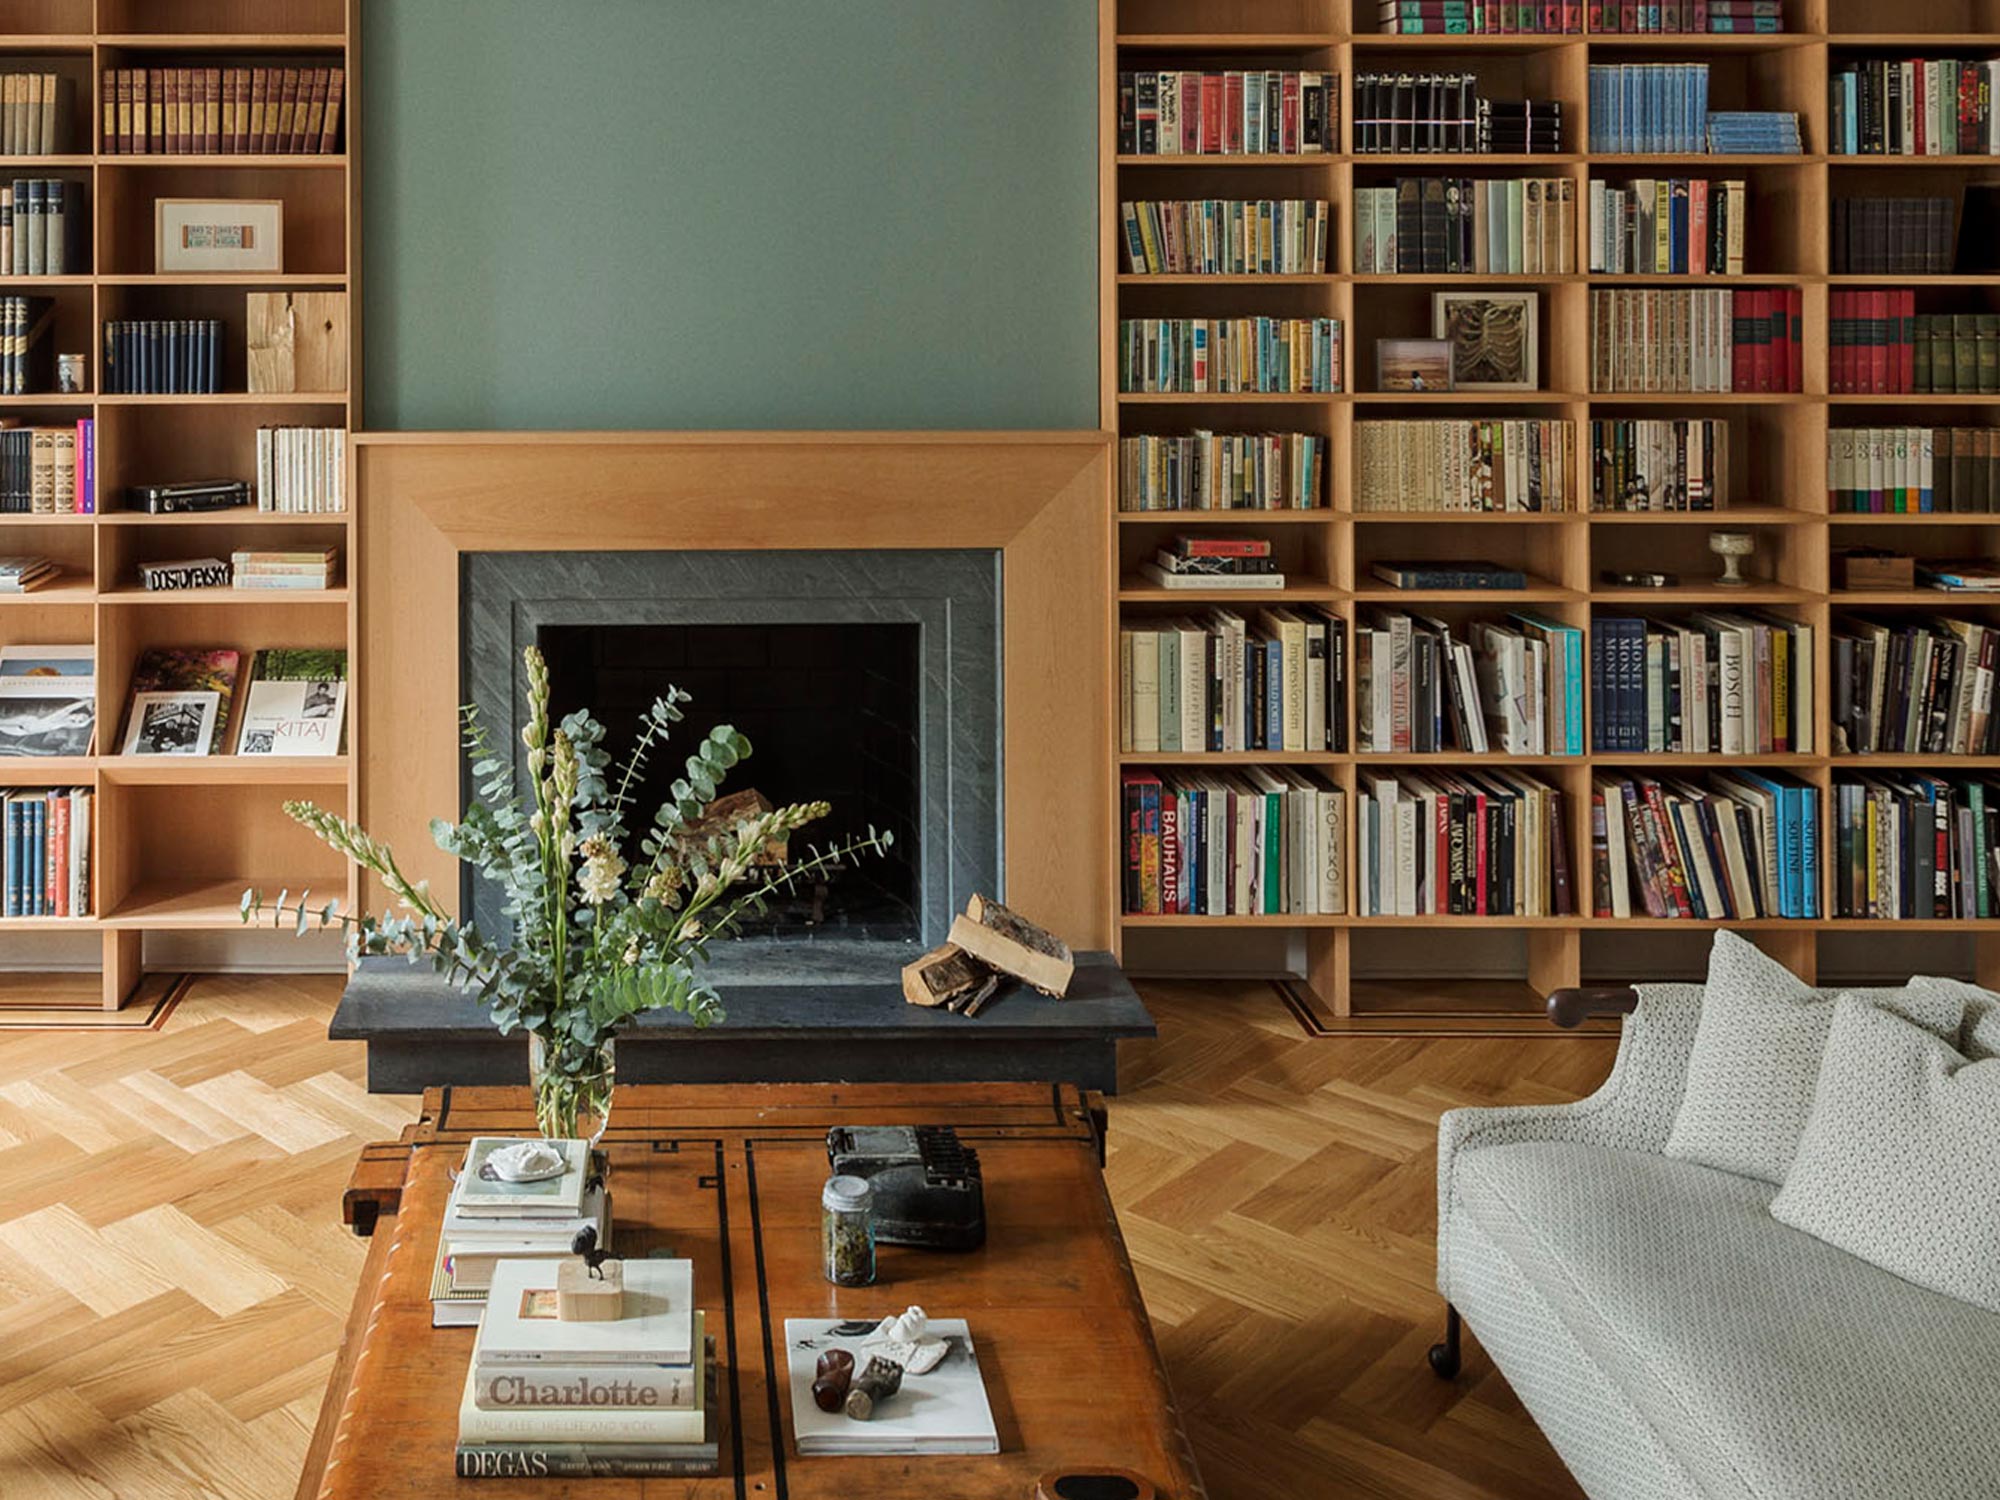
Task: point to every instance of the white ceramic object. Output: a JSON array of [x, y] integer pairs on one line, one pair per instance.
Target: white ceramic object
[[527, 1161], [907, 1340]]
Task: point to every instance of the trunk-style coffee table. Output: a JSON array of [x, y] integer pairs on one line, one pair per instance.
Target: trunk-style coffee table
[[730, 1177]]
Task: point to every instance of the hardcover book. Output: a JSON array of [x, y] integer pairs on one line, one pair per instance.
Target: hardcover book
[[479, 1192], [943, 1410], [48, 700], [296, 703], [521, 1327]]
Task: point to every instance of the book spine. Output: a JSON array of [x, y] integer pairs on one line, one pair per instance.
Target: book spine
[[577, 1461]]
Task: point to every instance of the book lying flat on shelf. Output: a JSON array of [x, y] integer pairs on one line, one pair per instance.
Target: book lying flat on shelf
[[521, 1327], [944, 1410], [23, 575], [48, 700], [1449, 575]]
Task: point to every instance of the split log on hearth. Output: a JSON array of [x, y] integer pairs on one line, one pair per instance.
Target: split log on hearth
[[720, 817], [1012, 944], [946, 976]]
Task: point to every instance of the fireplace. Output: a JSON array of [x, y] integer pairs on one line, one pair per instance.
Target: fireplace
[[871, 680]]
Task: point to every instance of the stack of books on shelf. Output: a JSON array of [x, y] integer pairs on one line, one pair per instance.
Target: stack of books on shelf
[[1272, 112], [1489, 843], [1522, 226], [162, 356], [282, 111], [1399, 114], [1938, 106], [35, 114], [1913, 470], [487, 1221], [1915, 847], [1273, 681], [1878, 343], [1424, 685], [25, 574], [1229, 356], [1455, 465], [48, 471], [1659, 464], [1753, 132], [1259, 841], [1242, 564], [1623, 18], [1892, 236], [1226, 236], [310, 569], [1669, 226], [1205, 470], [48, 700], [1479, 17], [1964, 575], [1914, 685], [302, 470], [1733, 846], [40, 223], [45, 838], [1646, 339], [1729, 683]]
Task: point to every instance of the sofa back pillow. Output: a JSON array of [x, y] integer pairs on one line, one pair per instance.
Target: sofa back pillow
[[1900, 1161], [1979, 1034], [1756, 1058]]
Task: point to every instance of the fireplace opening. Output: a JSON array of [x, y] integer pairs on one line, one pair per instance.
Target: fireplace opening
[[832, 712]]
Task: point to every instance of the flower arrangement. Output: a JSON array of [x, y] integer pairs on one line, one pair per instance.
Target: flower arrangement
[[597, 937]]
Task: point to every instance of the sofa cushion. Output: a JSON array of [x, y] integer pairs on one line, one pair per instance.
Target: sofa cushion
[[1756, 1058], [1900, 1162], [1771, 1363], [1979, 1035]]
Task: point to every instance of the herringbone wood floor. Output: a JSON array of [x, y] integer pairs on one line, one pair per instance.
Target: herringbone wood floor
[[173, 1275]]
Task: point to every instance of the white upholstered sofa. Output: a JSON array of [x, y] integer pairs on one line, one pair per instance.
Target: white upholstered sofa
[[1671, 1336]]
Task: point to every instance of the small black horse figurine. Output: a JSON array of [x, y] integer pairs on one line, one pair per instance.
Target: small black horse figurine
[[585, 1244]]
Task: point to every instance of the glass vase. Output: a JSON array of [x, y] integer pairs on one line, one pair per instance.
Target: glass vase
[[572, 1084]]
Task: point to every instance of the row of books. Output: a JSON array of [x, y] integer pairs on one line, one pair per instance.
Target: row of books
[[292, 701], [1935, 106], [1487, 843], [162, 356], [1424, 685], [302, 470], [1205, 470], [1734, 846], [1653, 108], [1259, 841], [1914, 685], [26, 334], [1892, 236], [1400, 114], [1572, 17], [1272, 112], [1226, 682], [1521, 226], [1915, 847], [1669, 226], [47, 471], [1228, 356], [1649, 339], [1878, 343], [283, 111], [1652, 17], [45, 851], [306, 568], [40, 217], [1912, 470], [1715, 682], [1454, 464], [1227, 237], [36, 111], [1659, 464]]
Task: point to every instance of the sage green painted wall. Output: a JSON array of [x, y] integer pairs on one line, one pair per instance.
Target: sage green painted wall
[[729, 213]]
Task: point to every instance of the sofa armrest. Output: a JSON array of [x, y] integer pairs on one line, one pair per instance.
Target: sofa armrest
[[1633, 1110], [1569, 1009]]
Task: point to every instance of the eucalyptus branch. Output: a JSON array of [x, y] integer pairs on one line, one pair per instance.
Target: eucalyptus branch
[[821, 860]]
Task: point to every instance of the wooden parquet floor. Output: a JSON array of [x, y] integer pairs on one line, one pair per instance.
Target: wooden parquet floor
[[174, 1277]]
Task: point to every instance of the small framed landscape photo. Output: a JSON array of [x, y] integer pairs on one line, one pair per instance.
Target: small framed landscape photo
[[1493, 337], [193, 235], [1413, 364]]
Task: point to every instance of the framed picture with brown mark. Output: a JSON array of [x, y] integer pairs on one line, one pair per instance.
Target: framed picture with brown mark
[[218, 236], [1413, 365], [1493, 336]]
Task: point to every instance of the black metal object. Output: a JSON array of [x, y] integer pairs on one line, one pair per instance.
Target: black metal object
[[927, 1188], [1572, 1007], [1444, 1357]]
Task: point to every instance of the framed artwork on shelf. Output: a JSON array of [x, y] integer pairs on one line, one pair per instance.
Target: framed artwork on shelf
[[218, 235], [1413, 364], [1493, 337]]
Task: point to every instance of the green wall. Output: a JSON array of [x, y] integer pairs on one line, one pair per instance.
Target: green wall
[[729, 213]]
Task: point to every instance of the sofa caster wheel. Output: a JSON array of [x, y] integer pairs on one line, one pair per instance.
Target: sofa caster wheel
[[1444, 1361]]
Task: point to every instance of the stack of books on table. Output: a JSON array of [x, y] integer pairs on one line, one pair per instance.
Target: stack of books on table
[[628, 1397], [488, 1221]]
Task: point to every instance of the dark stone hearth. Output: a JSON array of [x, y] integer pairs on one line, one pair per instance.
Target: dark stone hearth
[[420, 1033]]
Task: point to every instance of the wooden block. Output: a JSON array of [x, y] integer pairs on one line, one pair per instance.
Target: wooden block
[[943, 976], [1014, 945], [297, 341], [584, 1298]]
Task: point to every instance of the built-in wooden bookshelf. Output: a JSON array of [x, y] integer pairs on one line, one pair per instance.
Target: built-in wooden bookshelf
[[177, 840], [1778, 448]]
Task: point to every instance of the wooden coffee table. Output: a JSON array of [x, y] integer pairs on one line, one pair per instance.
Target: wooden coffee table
[[730, 1177]]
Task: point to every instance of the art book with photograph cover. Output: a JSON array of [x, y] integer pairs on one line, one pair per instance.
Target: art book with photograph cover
[[180, 701], [48, 700], [943, 1410], [295, 703]]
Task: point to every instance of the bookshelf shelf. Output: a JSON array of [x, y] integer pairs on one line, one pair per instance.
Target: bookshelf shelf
[[1369, 971], [166, 827]]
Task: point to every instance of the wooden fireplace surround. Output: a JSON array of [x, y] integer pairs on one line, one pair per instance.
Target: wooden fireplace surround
[[1042, 498]]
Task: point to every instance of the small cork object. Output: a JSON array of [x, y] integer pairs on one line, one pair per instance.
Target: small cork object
[[584, 1296]]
